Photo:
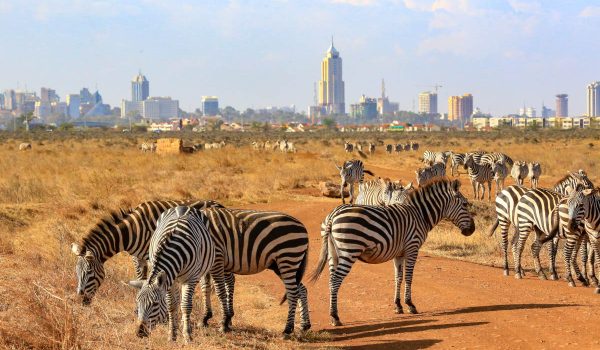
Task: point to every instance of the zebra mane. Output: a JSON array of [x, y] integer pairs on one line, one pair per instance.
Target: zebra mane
[[564, 179], [437, 183], [113, 218]]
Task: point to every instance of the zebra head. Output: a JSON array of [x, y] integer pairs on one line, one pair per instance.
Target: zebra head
[[90, 273], [151, 302], [395, 193], [457, 210], [575, 205], [591, 211]]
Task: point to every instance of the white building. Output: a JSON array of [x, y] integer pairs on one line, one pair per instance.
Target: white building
[[593, 99], [152, 108], [428, 102], [528, 112]]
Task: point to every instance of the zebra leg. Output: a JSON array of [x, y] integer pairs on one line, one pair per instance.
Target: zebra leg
[[595, 243], [187, 295], [582, 249], [398, 266], [287, 274], [351, 185], [504, 226], [592, 272], [303, 305], [205, 284], [229, 287], [524, 230], [568, 253], [475, 189], [172, 312], [489, 191], [411, 260], [218, 275], [552, 249], [535, 252], [336, 277]]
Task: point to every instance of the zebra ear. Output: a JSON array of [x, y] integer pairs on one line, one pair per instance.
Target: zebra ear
[[161, 278], [408, 186], [137, 284], [455, 185], [588, 191], [76, 249]]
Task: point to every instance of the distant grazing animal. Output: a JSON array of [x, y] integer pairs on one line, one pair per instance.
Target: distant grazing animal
[[399, 148], [381, 192], [456, 159], [257, 146], [414, 146], [188, 149], [290, 147], [519, 172], [377, 234], [352, 171], [389, 148], [534, 173], [430, 173], [181, 250], [407, 147], [148, 147], [371, 148], [268, 145], [24, 146], [500, 172], [479, 174], [348, 147], [358, 147]]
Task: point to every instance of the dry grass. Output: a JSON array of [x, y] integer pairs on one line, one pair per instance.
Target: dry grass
[[51, 195]]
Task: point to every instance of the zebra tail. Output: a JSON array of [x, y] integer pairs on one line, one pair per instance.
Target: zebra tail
[[324, 256], [299, 275], [555, 228], [493, 228], [369, 172]]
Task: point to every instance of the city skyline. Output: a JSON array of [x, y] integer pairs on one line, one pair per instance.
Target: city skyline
[[246, 63]]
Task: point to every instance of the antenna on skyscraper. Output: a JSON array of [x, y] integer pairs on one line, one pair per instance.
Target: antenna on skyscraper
[[382, 89]]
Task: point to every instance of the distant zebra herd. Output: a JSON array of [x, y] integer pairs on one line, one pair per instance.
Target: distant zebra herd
[[283, 146]]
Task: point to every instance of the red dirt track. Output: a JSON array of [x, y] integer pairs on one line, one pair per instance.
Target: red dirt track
[[462, 305]]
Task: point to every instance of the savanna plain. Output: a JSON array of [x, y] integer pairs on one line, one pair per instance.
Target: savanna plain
[[53, 194]]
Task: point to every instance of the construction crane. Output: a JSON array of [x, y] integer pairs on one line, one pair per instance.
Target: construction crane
[[436, 87]]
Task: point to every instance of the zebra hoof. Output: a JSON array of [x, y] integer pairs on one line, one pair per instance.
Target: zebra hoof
[[412, 310], [399, 310], [597, 291], [205, 319], [506, 273], [583, 281], [542, 276], [335, 321], [572, 284], [518, 275], [305, 327], [554, 277], [286, 336]]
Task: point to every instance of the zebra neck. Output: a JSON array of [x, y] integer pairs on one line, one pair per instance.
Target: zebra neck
[[429, 207], [168, 270], [108, 240]]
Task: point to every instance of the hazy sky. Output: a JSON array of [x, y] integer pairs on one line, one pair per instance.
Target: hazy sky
[[261, 53]]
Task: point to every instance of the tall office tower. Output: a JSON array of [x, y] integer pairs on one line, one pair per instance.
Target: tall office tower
[[73, 104], [331, 86], [140, 88], [428, 102], [593, 99], [562, 105], [210, 105], [466, 107], [10, 103], [454, 108]]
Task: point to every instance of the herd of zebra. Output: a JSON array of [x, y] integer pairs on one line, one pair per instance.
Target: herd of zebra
[[152, 146], [371, 146], [284, 146]]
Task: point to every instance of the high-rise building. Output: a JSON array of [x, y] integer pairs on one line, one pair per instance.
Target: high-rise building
[[210, 105], [528, 112], [562, 105], [48, 95], [366, 108], [331, 86], [42, 109], [428, 102], [10, 103], [73, 104], [160, 108], [548, 112], [85, 96], [454, 108], [460, 108], [140, 88], [593, 99]]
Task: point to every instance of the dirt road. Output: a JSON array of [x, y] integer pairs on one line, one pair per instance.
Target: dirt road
[[461, 305]]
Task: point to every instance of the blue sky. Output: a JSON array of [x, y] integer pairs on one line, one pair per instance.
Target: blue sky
[[260, 53]]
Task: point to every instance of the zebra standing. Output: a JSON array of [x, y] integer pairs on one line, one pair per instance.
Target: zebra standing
[[24, 146], [492, 158], [407, 147], [358, 147], [479, 174], [371, 148], [124, 231], [389, 148], [570, 181], [381, 192], [456, 159], [350, 172], [534, 171], [399, 148], [431, 157], [414, 146], [519, 172], [348, 147], [148, 147], [376, 234], [248, 242], [500, 171], [430, 173], [181, 250]]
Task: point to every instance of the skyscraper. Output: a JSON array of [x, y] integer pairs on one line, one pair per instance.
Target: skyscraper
[[210, 105], [73, 103], [10, 102], [428, 102], [140, 88], [454, 108], [460, 107], [562, 105], [331, 86], [593, 99]]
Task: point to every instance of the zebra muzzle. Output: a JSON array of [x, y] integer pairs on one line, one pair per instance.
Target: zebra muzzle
[[143, 330]]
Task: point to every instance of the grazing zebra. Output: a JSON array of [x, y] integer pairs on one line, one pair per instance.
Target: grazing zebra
[[519, 172], [414, 146], [406, 147], [500, 171], [359, 147], [257, 146], [506, 202], [24, 146], [248, 242], [181, 251], [381, 192], [376, 234], [348, 147], [290, 147], [431, 157], [371, 148], [430, 173], [534, 171], [350, 172], [148, 147], [456, 159], [491, 158], [399, 148], [125, 231], [479, 174], [389, 148]]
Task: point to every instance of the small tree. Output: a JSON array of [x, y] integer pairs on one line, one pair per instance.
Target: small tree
[[330, 123]]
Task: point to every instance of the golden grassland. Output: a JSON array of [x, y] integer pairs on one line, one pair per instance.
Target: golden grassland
[[52, 195]]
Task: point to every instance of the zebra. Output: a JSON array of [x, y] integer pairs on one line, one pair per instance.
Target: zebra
[[399, 148], [500, 171], [148, 147], [290, 147], [430, 173], [181, 251], [248, 242], [381, 192], [519, 172], [389, 148], [350, 172], [348, 147], [24, 146], [122, 231], [479, 174], [376, 234], [414, 146], [534, 171], [358, 147], [456, 159], [406, 147], [431, 157], [257, 146], [371, 148], [491, 158], [506, 202]]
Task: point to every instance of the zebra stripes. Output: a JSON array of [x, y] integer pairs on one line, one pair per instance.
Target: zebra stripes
[[534, 173], [181, 250], [491, 158], [348, 147], [124, 231], [456, 159], [570, 181], [248, 242], [389, 148], [148, 147], [431, 157], [500, 171], [381, 192], [590, 216], [519, 172], [479, 174], [352, 171], [376, 234], [430, 173]]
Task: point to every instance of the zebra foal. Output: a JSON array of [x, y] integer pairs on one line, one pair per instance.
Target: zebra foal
[[352, 171], [181, 250], [479, 174]]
